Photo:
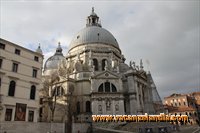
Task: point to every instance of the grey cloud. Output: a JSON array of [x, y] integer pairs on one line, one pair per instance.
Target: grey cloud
[[164, 33]]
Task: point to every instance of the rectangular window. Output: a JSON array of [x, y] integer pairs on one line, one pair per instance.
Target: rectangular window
[[17, 51], [41, 100], [15, 67], [1, 62], [8, 115], [30, 116], [36, 58], [34, 73], [40, 112], [2, 46]]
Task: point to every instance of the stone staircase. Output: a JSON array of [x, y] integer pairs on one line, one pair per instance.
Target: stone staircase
[[140, 127]]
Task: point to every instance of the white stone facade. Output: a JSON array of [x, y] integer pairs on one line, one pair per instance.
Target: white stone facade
[[20, 81], [101, 80]]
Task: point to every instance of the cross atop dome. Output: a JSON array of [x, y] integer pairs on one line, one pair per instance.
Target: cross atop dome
[[93, 19]]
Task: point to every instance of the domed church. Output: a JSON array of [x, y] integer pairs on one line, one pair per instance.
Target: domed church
[[93, 77]]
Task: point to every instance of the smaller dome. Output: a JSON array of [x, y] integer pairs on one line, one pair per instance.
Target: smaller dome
[[53, 61]]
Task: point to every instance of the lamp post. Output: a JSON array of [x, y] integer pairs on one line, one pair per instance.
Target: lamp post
[[69, 110], [50, 103]]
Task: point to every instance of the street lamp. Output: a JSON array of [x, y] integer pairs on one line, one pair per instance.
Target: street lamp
[[68, 120]]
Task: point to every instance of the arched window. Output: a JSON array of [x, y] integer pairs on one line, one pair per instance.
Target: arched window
[[11, 91], [62, 91], [93, 20], [32, 92], [78, 107], [103, 63], [95, 63], [54, 92], [88, 106], [100, 88], [58, 91], [114, 89], [107, 87]]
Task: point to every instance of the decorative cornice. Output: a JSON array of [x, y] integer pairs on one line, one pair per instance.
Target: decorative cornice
[[32, 82], [2, 73], [12, 77]]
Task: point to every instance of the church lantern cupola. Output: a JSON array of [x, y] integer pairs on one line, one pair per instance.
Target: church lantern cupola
[[93, 19], [59, 50]]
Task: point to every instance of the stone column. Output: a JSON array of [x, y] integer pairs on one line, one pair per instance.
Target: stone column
[[142, 102], [92, 85], [113, 107], [13, 114], [139, 109], [104, 107], [94, 108], [121, 107], [132, 92], [133, 103], [131, 84]]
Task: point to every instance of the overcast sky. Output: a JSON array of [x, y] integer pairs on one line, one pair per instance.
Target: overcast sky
[[164, 34]]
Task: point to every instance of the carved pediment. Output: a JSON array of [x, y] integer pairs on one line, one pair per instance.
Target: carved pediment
[[106, 75]]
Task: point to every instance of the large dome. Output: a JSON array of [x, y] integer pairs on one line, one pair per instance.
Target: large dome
[[93, 33]]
